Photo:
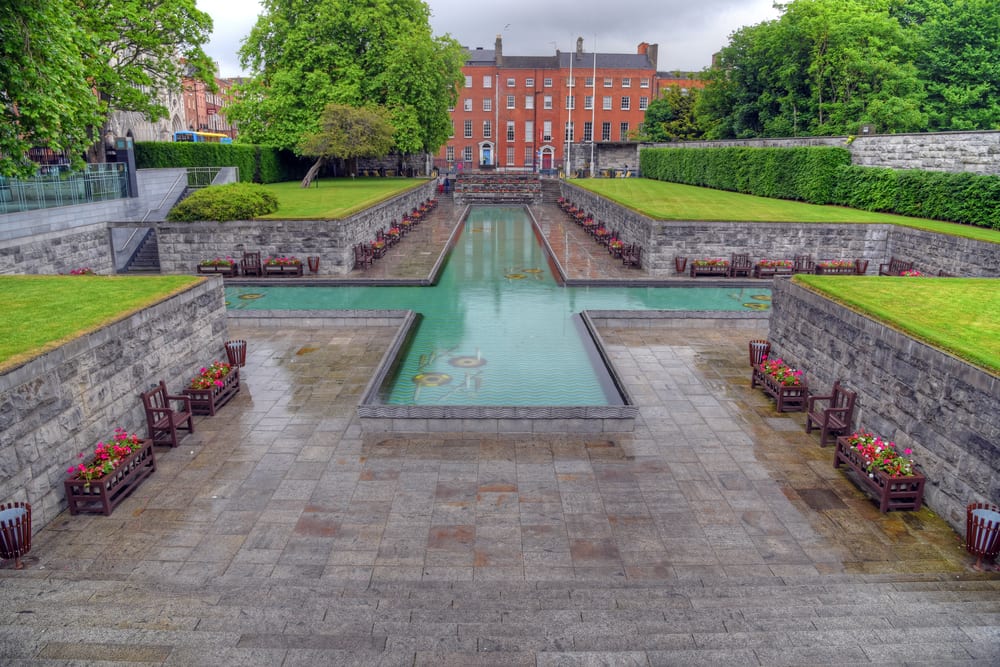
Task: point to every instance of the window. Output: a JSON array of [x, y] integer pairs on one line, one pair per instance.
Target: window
[[623, 132], [510, 155], [510, 102], [570, 101], [626, 103], [589, 83], [529, 156], [467, 104], [569, 131], [570, 82], [529, 101], [605, 131], [529, 83], [607, 103], [547, 102], [468, 129], [547, 130], [547, 82], [644, 83], [451, 108], [452, 129], [643, 103], [467, 154], [487, 81], [588, 131], [510, 131], [511, 83], [588, 102], [608, 82], [487, 129], [529, 131], [487, 104], [449, 154], [468, 82], [626, 82]]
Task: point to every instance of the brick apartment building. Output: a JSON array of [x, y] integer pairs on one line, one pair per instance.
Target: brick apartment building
[[524, 113], [203, 108]]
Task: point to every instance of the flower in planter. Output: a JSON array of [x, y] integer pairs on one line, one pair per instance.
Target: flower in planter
[[711, 262], [85, 271], [378, 243], [881, 455], [836, 264], [107, 456], [911, 273], [211, 376], [283, 261], [393, 231], [781, 372], [616, 244], [219, 261], [775, 263]]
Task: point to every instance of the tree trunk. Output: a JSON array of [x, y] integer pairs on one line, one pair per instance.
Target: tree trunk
[[313, 170]]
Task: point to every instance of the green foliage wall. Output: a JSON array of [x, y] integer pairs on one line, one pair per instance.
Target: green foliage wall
[[257, 164], [805, 174], [825, 175]]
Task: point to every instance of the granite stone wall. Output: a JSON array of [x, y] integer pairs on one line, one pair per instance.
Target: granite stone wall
[[64, 402], [663, 240], [946, 410], [58, 252], [183, 244]]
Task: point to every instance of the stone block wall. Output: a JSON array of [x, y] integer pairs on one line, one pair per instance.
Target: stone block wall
[[63, 403], [946, 410], [183, 244], [931, 253], [58, 251]]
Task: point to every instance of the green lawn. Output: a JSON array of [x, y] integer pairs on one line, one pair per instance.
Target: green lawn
[[958, 315], [335, 198], [672, 201], [43, 312]]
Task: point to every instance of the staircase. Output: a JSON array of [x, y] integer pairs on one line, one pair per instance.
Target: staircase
[[551, 191], [147, 256]]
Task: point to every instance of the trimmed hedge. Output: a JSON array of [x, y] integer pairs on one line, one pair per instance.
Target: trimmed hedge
[[257, 164], [825, 175], [233, 201], [804, 174]]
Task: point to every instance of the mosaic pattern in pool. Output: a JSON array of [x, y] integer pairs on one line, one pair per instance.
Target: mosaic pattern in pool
[[497, 329]]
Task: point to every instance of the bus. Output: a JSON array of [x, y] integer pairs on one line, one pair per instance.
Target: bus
[[207, 137]]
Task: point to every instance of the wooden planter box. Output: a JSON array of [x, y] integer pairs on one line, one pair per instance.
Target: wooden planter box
[[717, 270], [836, 270], [227, 271], [102, 496], [788, 399], [207, 401], [892, 493], [771, 271], [282, 269]]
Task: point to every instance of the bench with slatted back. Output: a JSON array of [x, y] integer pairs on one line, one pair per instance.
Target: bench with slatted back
[[162, 420]]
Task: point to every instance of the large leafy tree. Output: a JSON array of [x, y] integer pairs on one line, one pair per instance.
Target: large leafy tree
[[347, 132], [671, 117], [47, 99], [305, 54]]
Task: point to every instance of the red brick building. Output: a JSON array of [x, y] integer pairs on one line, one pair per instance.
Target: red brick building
[[523, 113], [203, 108]]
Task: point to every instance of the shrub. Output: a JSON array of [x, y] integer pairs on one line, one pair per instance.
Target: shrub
[[234, 201], [257, 164]]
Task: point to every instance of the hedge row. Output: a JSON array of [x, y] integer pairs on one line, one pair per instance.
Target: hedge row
[[805, 174], [824, 175], [257, 164]]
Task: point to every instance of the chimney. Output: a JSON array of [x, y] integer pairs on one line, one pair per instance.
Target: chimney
[[579, 48], [499, 50], [643, 47], [651, 53]]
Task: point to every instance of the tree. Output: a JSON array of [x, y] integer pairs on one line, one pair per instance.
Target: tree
[[145, 48], [46, 99], [348, 133], [671, 117], [305, 54]]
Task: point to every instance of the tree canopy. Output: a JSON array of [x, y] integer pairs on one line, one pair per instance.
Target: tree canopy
[[305, 54], [347, 132]]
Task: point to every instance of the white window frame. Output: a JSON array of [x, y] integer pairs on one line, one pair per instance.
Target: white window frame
[[511, 102], [547, 130], [571, 82], [510, 156], [623, 131], [571, 101], [569, 131], [529, 131], [487, 104], [467, 104], [449, 153], [606, 131], [626, 82], [547, 82], [607, 102], [467, 129], [588, 131], [608, 82], [467, 154], [468, 81], [511, 83], [643, 103], [529, 101], [588, 101], [644, 83], [487, 129], [529, 83], [626, 103], [511, 130], [487, 81], [547, 102]]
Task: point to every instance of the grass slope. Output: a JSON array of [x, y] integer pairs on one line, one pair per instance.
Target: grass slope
[[672, 201], [958, 315], [43, 312], [335, 198]]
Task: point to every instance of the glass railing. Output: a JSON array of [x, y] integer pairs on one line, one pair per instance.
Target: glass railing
[[58, 187]]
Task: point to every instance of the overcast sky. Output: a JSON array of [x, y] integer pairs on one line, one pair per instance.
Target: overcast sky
[[688, 33]]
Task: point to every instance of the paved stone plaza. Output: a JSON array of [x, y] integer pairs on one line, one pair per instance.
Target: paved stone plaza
[[280, 534]]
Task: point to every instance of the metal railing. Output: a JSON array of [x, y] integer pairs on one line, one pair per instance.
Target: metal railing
[[98, 182], [201, 177]]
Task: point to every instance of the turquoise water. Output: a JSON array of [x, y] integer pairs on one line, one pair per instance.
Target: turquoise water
[[497, 329]]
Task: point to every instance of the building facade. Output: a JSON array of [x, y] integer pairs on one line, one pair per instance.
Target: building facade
[[532, 113], [203, 108]]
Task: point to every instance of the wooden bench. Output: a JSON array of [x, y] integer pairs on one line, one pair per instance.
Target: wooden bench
[[831, 414], [162, 420], [895, 267], [632, 255]]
